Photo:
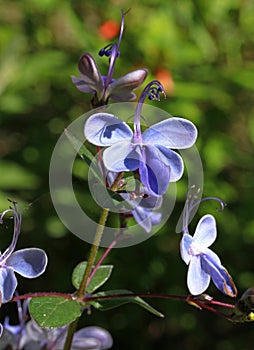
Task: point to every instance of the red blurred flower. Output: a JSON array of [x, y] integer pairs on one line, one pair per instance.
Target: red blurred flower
[[165, 78], [109, 29]]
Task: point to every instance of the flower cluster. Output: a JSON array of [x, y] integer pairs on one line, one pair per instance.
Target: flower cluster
[[151, 157]]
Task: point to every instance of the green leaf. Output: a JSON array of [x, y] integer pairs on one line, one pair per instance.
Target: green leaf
[[118, 300], [54, 311], [83, 152], [100, 277]]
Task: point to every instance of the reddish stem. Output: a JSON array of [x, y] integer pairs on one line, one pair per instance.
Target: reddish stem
[[43, 294]]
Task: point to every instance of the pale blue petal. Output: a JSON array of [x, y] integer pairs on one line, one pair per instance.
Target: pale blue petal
[[221, 278], [173, 161], [8, 283], [154, 174], [197, 279], [205, 233], [93, 332], [104, 129], [29, 262], [155, 218], [145, 218], [123, 156], [186, 241], [172, 133]]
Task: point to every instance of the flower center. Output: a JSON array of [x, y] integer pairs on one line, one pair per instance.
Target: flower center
[[194, 250]]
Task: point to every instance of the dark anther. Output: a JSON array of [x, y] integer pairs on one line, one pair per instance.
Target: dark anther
[[107, 51]]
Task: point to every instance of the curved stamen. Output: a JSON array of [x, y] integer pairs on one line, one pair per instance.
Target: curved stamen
[[16, 230], [152, 91], [192, 202]]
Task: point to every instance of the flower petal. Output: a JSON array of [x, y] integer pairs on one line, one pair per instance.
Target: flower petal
[[220, 276], [186, 241], [8, 283], [121, 89], [197, 279], [102, 336], [104, 129], [145, 218], [122, 156], [205, 233], [151, 202], [29, 262], [172, 133], [173, 161], [89, 73], [81, 85], [154, 174]]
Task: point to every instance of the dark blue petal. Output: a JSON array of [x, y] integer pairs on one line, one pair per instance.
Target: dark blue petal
[[8, 283], [221, 278], [176, 133], [154, 174], [29, 262], [104, 129]]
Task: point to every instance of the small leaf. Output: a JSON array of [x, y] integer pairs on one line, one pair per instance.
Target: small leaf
[[118, 300], [54, 311], [100, 277], [83, 152]]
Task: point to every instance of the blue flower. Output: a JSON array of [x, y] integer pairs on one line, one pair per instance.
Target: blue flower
[[105, 87], [142, 209], [29, 262], [149, 152], [203, 263]]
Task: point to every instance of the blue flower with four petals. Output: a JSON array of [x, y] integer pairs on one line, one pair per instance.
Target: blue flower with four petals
[[149, 152]]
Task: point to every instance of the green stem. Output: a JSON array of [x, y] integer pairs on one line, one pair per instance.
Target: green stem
[[96, 243], [71, 331], [92, 256], [93, 252]]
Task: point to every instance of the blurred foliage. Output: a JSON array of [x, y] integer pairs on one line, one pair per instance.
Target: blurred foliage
[[206, 51]]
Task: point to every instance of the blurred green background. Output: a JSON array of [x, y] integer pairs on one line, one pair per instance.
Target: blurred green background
[[203, 52]]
